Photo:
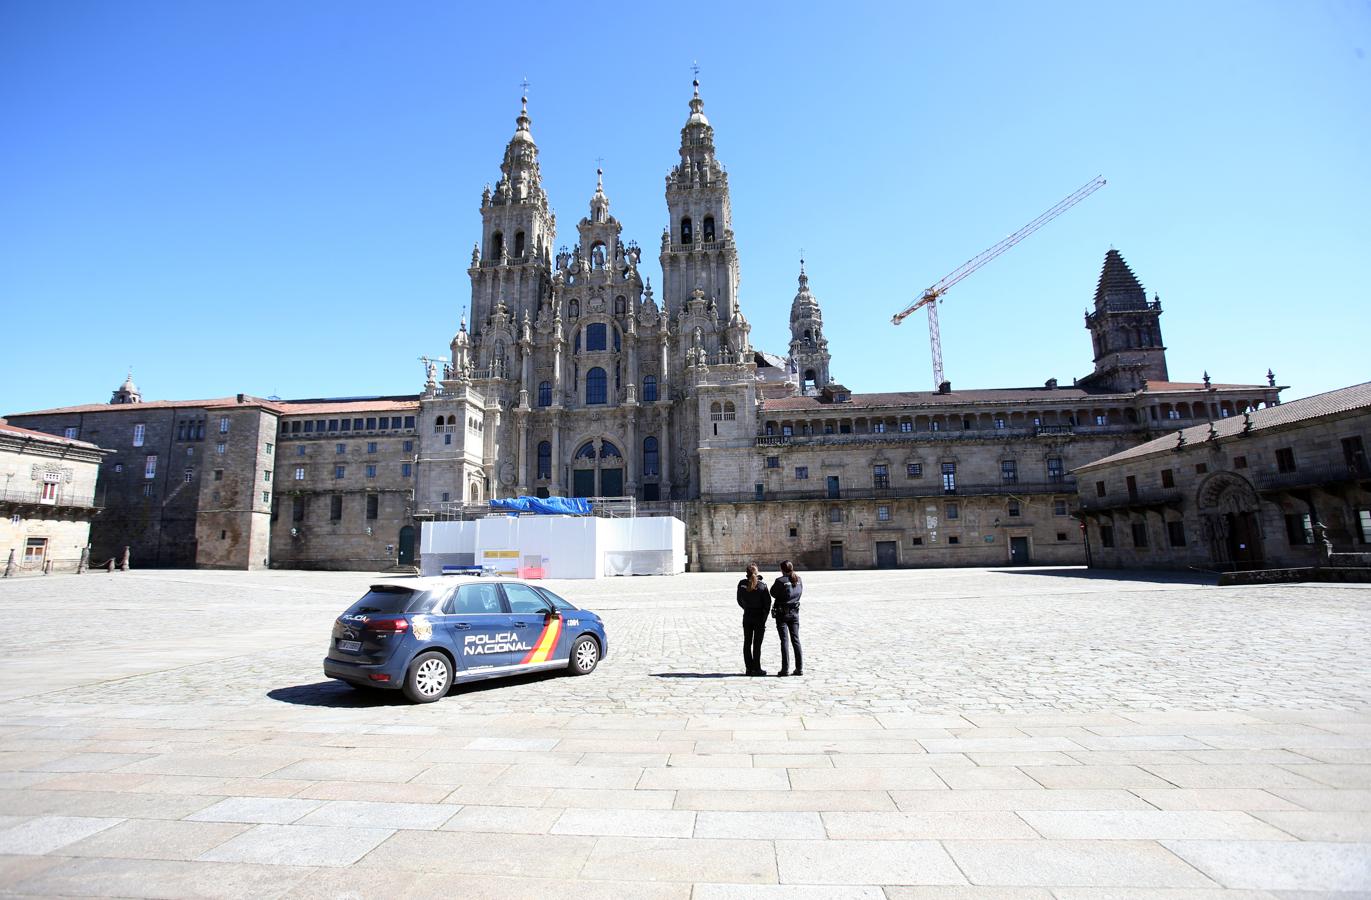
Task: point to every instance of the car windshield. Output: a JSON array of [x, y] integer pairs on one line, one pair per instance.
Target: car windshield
[[556, 601], [391, 599]]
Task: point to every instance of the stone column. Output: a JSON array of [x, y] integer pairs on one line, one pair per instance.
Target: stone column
[[631, 451], [521, 420], [662, 338], [555, 482], [664, 450]]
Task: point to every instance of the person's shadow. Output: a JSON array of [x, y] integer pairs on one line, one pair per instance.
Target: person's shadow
[[698, 675]]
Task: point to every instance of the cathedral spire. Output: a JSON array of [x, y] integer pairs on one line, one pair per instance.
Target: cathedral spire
[[599, 203], [522, 180], [808, 346]]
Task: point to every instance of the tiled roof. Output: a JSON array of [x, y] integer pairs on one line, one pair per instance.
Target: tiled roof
[[150, 404], [987, 396], [314, 407], [926, 398], [6, 428], [1358, 396], [1161, 387], [1118, 287], [282, 407]]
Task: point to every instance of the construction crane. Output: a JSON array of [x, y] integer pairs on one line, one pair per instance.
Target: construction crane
[[933, 296]]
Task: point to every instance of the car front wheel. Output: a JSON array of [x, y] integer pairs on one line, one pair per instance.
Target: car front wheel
[[429, 677], [585, 654]]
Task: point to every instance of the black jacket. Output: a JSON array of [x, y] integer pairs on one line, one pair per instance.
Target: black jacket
[[755, 600], [787, 598]]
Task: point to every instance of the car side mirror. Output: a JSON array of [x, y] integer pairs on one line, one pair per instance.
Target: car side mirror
[[550, 614]]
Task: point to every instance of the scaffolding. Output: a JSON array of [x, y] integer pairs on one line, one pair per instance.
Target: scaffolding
[[458, 511]]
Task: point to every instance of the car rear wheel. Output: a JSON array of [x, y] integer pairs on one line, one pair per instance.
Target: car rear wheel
[[585, 654], [428, 678]]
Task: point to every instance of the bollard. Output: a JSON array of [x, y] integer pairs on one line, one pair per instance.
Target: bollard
[[84, 562], [124, 563], [9, 566]]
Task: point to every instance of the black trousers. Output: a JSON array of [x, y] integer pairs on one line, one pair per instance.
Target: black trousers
[[754, 629], [789, 628]]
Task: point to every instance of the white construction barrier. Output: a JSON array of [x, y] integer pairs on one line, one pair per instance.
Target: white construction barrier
[[555, 546]]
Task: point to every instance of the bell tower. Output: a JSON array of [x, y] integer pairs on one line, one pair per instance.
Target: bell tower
[[1125, 330], [808, 346], [511, 264], [697, 246]]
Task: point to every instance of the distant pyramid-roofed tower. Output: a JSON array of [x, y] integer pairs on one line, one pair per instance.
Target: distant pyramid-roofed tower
[[1125, 329]]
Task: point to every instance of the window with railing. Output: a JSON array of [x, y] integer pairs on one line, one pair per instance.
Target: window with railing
[[1285, 459], [544, 459], [1009, 471], [880, 476], [650, 455], [949, 478], [1055, 471]]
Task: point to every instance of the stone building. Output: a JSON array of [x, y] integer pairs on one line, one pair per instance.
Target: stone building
[[244, 483], [48, 502], [1276, 488], [572, 378]]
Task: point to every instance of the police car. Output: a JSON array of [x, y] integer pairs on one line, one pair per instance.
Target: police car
[[420, 635]]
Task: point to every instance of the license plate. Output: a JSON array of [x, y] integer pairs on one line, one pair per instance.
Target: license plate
[[350, 645]]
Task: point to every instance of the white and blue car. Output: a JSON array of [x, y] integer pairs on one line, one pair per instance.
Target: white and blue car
[[421, 635]]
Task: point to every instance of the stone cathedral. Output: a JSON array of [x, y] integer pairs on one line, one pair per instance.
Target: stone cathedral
[[571, 378]]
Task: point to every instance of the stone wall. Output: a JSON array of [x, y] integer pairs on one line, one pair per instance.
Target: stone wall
[[314, 538], [232, 522], [63, 519], [1227, 501]]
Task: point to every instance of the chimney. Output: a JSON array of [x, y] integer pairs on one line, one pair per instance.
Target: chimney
[[945, 387], [240, 397], [1051, 384]]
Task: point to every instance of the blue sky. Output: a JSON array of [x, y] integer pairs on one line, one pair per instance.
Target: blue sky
[[281, 198]]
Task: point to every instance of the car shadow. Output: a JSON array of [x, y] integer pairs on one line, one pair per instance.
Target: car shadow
[[335, 694]]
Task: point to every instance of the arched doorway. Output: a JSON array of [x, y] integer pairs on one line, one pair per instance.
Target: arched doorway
[[406, 546], [1230, 521], [597, 470]]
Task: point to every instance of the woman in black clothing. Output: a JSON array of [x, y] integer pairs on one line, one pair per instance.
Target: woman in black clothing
[[754, 600], [786, 591]]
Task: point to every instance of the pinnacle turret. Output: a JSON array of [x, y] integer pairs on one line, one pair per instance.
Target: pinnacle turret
[[808, 346], [521, 179]]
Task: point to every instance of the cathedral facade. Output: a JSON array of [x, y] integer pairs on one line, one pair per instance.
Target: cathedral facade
[[572, 377]]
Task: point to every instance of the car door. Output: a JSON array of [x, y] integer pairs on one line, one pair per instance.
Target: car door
[[477, 625], [532, 613]]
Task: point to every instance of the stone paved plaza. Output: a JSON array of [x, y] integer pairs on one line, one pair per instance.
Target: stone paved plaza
[[958, 734]]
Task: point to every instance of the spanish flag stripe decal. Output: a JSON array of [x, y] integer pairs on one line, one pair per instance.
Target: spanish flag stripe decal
[[547, 642]]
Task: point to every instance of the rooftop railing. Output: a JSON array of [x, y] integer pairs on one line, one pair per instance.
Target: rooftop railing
[[1312, 476], [36, 499], [931, 488], [1149, 499]]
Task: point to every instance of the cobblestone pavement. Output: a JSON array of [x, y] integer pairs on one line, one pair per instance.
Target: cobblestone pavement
[[1025, 733]]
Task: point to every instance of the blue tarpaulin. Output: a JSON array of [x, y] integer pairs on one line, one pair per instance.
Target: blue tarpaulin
[[544, 506]]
